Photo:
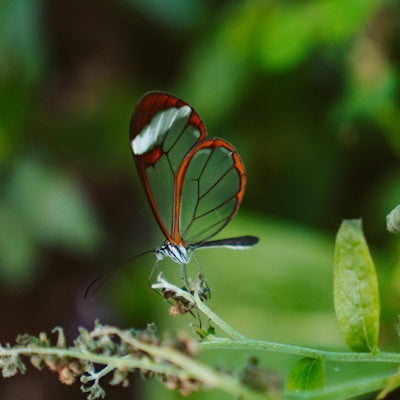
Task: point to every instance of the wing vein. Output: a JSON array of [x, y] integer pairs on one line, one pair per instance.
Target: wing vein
[[216, 182], [215, 208]]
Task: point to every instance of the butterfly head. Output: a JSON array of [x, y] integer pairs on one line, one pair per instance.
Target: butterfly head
[[178, 253]]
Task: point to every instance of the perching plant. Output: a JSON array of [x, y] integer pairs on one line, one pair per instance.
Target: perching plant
[[118, 353]]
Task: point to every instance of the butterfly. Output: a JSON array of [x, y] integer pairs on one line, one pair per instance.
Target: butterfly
[[194, 185]]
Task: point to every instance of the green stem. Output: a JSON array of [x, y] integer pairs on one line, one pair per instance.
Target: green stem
[[218, 321], [218, 343], [195, 300], [239, 341]]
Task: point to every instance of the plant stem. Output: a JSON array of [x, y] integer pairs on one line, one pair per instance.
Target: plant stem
[[218, 343], [239, 341], [112, 361], [175, 363], [218, 321], [195, 300], [195, 369]]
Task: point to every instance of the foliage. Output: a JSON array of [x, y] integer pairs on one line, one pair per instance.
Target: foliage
[[356, 294]]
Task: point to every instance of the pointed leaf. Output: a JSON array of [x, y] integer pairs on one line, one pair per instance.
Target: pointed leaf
[[307, 374], [356, 293]]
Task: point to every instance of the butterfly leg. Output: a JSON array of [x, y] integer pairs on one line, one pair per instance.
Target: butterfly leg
[[184, 277], [207, 292], [150, 282], [185, 282], [153, 271]]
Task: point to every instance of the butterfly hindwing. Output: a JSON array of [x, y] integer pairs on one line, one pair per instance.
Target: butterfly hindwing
[[210, 186]]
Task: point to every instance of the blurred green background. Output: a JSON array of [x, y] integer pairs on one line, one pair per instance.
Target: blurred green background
[[308, 93]]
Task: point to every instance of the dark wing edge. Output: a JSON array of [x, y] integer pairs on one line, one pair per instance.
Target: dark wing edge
[[236, 243]]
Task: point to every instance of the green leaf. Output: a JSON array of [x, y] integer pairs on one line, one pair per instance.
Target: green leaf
[[356, 295], [307, 374]]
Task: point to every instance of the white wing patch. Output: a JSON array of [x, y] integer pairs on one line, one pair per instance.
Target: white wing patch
[[153, 134]]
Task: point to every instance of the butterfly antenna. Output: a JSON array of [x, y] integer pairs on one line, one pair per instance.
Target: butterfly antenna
[[102, 279]]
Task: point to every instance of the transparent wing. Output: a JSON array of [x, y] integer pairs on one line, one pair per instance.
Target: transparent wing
[[209, 188], [163, 131]]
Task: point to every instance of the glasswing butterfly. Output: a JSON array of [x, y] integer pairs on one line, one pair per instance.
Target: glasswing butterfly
[[194, 185]]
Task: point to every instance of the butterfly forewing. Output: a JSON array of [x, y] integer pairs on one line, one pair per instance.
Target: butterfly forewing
[[163, 130]]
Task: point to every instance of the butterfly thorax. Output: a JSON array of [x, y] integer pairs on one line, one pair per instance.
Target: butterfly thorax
[[178, 253]]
